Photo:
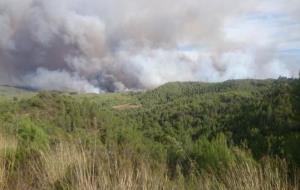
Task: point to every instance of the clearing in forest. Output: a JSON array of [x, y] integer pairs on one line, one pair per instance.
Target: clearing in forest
[[127, 106]]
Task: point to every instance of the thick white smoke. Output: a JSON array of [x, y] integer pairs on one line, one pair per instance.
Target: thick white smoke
[[115, 45], [58, 80]]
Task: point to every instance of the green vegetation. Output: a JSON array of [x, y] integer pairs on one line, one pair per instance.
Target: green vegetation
[[14, 93], [241, 134]]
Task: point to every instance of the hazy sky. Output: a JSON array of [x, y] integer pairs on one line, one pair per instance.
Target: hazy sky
[[115, 45]]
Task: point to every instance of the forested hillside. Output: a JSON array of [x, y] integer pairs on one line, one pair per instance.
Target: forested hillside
[[240, 134]]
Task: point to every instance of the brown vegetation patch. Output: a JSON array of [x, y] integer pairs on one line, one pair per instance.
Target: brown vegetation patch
[[127, 106]]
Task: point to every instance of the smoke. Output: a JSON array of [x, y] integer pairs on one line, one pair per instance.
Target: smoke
[[58, 80], [117, 45]]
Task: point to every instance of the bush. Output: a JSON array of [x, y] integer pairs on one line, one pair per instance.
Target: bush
[[215, 154], [31, 138], [292, 148]]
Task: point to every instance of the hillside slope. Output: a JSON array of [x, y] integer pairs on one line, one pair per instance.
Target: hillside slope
[[179, 131], [10, 92]]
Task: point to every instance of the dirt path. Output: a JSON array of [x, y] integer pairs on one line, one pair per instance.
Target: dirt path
[[127, 106]]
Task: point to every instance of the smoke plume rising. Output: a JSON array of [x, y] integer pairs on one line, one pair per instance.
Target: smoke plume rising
[[117, 45]]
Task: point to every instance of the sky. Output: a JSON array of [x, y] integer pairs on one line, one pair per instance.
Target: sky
[[120, 45]]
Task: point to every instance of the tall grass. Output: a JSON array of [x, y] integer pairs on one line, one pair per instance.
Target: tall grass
[[8, 147], [71, 166], [269, 175]]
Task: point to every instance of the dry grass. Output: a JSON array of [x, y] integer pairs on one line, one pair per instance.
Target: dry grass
[[67, 166], [58, 161], [71, 167], [8, 147], [270, 175], [273, 174]]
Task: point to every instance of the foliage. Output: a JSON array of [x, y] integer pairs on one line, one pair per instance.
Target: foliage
[[191, 128], [31, 139]]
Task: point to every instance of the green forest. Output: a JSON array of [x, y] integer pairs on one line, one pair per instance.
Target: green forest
[[238, 134]]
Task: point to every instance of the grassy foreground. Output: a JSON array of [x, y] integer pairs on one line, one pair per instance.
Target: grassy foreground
[[71, 166]]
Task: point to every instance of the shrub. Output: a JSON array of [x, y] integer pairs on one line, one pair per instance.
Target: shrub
[[31, 138], [215, 154]]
